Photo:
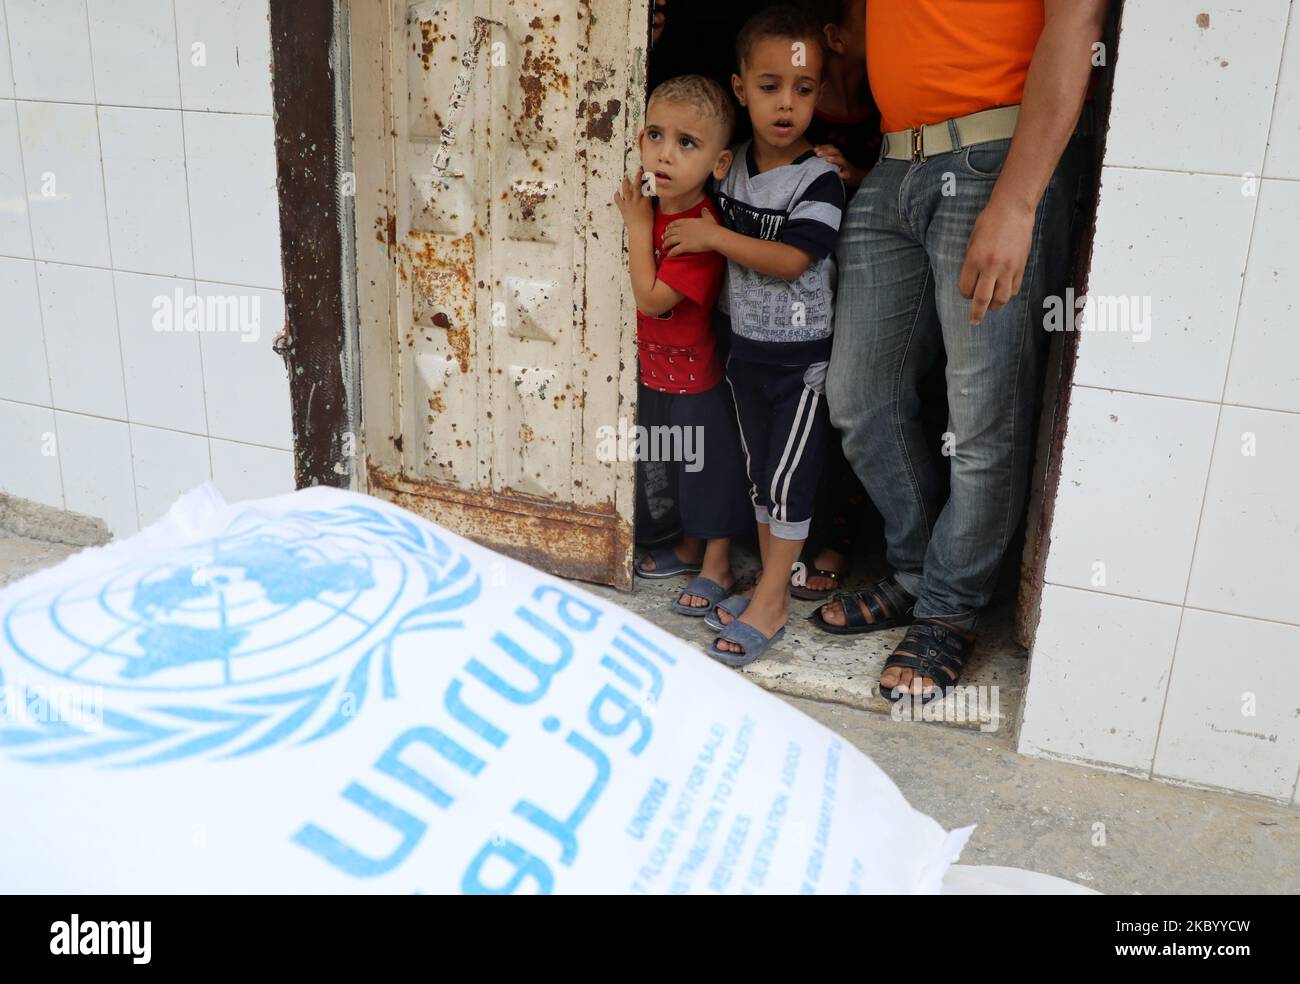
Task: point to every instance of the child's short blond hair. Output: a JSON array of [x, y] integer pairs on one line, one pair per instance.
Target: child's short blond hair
[[703, 94]]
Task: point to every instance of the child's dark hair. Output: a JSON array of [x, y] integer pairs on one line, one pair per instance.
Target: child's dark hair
[[780, 20], [830, 11]]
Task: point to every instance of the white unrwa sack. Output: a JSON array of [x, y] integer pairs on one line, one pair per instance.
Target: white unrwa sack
[[321, 692]]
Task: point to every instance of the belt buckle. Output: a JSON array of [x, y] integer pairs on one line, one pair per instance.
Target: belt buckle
[[918, 148]]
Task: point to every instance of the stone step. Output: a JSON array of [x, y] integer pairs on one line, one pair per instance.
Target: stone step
[[814, 664]]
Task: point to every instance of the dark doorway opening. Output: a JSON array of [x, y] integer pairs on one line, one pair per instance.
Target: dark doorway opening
[[699, 38]]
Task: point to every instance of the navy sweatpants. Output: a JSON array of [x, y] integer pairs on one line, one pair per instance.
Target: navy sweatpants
[[710, 486], [783, 431]]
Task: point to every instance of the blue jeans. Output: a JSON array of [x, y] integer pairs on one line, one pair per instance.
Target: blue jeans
[[900, 255]]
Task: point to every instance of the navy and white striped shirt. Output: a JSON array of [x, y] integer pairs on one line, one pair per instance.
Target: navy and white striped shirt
[[799, 204]]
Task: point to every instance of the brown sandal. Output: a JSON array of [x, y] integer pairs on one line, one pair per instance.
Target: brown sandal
[[813, 594]]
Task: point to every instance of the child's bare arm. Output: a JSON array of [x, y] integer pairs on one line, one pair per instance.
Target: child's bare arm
[[769, 258], [652, 297]]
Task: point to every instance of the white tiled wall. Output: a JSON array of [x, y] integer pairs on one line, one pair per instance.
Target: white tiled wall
[[137, 180], [1169, 640]]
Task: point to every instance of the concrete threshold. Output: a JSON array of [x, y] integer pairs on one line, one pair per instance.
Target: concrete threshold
[[37, 521], [811, 663]]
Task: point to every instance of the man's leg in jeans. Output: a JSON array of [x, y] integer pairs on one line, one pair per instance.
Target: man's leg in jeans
[[886, 336], [994, 384]]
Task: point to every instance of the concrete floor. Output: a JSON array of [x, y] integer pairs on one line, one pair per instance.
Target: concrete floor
[[20, 556], [809, 662], [1108, 832]]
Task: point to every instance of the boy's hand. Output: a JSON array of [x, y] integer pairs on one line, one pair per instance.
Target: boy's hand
[[849, 174], [690, 235], [638, 210]]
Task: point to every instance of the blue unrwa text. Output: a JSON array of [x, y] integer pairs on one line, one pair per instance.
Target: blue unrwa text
[[515, 671]]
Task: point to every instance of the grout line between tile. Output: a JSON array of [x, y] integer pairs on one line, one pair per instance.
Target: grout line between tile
[[1185, 399], [164, 109], [1218, 421], [13, 82], [1174, 604], [1164, 697], [1223, 388], [149, 273], [117, 319], [1135, 169], [1254, 219], [141, 423], [189, 215], [1277, 84], [40, 304]]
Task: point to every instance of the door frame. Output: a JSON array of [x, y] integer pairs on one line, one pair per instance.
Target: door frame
[[310, 94], [1059, 382]]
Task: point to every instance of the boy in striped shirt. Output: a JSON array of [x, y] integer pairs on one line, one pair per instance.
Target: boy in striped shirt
[[781, 207]]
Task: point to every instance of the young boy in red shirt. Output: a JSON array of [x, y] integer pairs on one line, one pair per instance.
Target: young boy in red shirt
[[688, 124]]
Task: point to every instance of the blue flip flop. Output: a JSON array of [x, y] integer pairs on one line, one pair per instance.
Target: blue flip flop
[[733, 605], [702, 587], [742, 634], [667, 564]]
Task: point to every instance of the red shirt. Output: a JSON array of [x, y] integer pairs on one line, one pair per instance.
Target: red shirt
[[677, 351]]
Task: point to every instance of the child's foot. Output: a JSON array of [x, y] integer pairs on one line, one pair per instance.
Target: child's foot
[[827, 562], [724, 578], [687, 555], [768, 621], [725, 617]]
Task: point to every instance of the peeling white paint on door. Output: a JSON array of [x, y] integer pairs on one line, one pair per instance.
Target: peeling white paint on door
[[497, 331]]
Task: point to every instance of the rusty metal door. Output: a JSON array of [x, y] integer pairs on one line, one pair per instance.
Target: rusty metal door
[[496, 322]]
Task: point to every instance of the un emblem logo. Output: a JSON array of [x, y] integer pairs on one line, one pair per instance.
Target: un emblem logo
[[279, 629]]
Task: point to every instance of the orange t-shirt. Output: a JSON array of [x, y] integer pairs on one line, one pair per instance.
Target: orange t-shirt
[[932, 60]]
